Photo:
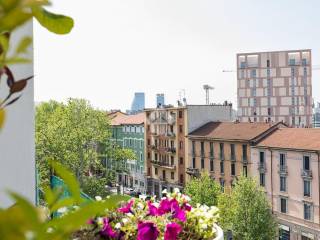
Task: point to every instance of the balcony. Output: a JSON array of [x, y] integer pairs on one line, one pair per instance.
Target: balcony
[[170, 134], [163, 164], [306, 173], [283, 169], [171, 150], [262, 167], [193, 171]]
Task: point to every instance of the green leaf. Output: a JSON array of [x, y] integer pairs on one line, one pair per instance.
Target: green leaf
[[55, 23], [13, 19], [23, 45], [69, 180]]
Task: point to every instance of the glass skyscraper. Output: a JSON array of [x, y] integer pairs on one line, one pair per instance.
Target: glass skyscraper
[[138, 103]]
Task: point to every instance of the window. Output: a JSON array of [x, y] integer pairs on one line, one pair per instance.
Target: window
[[211, 165], [262, 180], [233, 152], [306, 188], [306, 163], [268, 63], [283, 205], [233, 169], [172, 175], [180, 144], [148, 155], [156, 171], [245, 171], [222, 185], [307, 211], [181, 160], [202, 163], [181, 178], [211, 150], [244, 152], [164, 174], [193, 162], [156, 156], [253, 73], [193, 148], [136, 182], [283, 184], [221, 167], [148, 142], [202, 148], [180, 114], [261, 154], [141, 157], [180, 129], [172, 160], [282, 162], [221, 151]]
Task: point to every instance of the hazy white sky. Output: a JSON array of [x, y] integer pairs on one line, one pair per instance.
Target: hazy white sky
[[119, 47]]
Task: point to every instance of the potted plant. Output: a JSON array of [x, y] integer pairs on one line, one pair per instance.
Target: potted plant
[[147, 219]]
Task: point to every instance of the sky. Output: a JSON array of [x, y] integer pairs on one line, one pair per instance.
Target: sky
[[119, 47]]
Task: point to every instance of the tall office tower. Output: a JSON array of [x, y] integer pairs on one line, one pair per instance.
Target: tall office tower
[[138, 103], [160, 99], [275, 86]]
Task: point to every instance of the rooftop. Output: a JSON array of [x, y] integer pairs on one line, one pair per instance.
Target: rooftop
[[293, 138], [231, 130], [120, 118]]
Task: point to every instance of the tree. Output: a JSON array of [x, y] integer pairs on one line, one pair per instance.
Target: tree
[[76, 135], [203, 190], [246, 212]]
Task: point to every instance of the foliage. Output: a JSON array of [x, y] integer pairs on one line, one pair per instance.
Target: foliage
[[25, 221], [203, 190], [246, 211], [94, 186], [14, 13], [171, 218], [76, 135]]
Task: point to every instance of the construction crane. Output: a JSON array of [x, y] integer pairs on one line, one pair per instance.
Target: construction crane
[[207, 88]]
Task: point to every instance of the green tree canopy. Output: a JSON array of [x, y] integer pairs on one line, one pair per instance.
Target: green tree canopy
[[76, 135], [203, 190], [246, 212]]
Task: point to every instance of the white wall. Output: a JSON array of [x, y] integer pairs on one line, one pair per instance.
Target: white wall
[[199, 115], [17, 150]]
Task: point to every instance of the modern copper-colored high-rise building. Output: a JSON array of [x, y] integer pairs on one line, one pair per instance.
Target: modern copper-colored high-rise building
[[275, 86]]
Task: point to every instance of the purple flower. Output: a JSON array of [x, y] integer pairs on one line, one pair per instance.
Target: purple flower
[[177, 212], [126, 208], [106, 230], [153, 210], [147, 231], [165, 206], [172, 231]]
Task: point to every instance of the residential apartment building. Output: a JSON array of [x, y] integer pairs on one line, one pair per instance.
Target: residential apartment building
[[275, 86], [128, 132], [222, 149], [165, 141], [287, 164]]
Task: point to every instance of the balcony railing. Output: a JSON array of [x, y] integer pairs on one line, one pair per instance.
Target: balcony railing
[[244, 159], [170, 134], [171, 149], [193, 171], [283, 169], [306, 173], [163, 164]]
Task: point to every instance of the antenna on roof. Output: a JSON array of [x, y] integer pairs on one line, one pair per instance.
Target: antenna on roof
[[207, 88]]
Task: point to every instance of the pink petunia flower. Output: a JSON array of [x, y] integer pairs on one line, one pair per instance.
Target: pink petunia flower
[[126, 208], [107, 230], [147, 231], [172, 231], [153, 210]]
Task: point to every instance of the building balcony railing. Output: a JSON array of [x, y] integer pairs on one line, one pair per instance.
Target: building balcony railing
[[306, 173], [283, 169], [233, 158], [163, 164], [262, 167], [244, 159], [171, 150], [193, 171], [170, 134]]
